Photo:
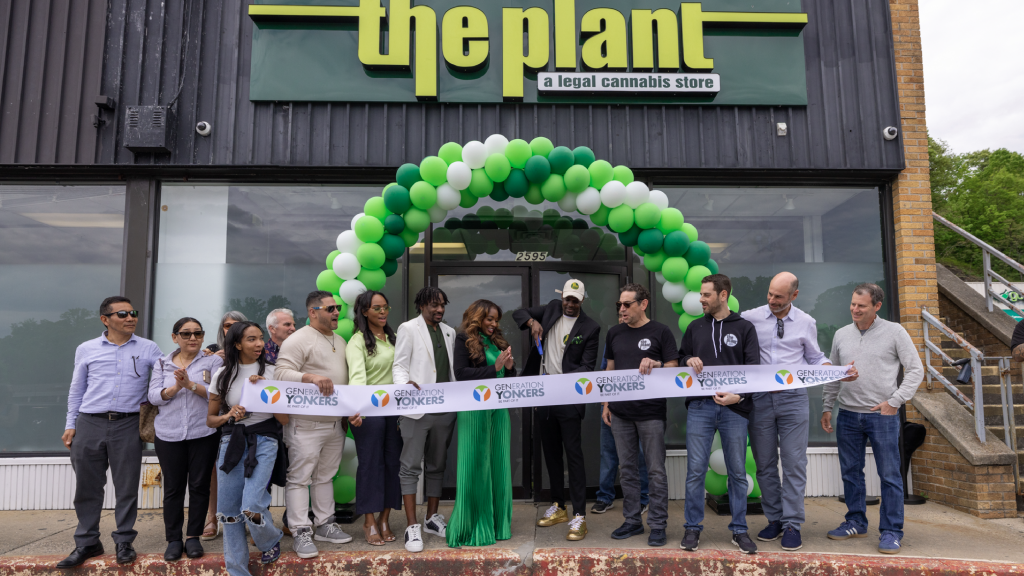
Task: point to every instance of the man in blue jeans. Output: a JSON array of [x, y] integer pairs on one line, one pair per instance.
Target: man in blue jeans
[[610, 467], [869, 410]]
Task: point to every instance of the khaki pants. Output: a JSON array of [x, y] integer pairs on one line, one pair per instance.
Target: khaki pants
[[314, 454]]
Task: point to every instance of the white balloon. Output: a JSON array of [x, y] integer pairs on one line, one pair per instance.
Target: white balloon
[[636, 194], [351, 314], [659, 277], [568, 202], [436, 213], [613, 194], [459, 175], [346, 266], [350, 290], [659, 199], [673, 292], [588, 201], [717, 462], [495, 144], [349, 242], [356, 217], [750, 485], [474, 154], [716, 444], [691, 304], [448, 197]]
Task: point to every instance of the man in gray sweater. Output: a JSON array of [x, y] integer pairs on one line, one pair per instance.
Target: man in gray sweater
[[869, 410]]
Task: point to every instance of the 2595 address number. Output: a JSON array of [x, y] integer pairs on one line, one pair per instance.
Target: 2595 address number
[[528, 256]]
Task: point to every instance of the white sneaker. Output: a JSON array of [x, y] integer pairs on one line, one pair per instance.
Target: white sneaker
[[413, 539], [302, 543], [436, 525], [332, 533]]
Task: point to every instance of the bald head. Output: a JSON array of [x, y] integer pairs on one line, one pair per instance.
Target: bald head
[[782, 291]]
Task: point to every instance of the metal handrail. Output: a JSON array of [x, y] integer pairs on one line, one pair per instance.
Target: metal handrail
[[978, 405], [987, 251]]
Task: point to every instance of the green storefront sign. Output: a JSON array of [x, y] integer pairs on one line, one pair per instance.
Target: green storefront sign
[[553, 51]]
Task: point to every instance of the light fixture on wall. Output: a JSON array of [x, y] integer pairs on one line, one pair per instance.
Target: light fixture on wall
[[789, 202], [710, 204]]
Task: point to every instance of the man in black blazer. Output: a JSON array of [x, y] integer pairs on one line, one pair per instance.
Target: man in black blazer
[[569, 339]]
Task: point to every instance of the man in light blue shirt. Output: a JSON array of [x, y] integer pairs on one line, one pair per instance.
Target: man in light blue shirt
[[109, 383], [781, 420]]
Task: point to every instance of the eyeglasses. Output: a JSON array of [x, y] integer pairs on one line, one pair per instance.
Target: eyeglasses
[[627, 304], [329, 309], [122, 314], [189, 335], [379, 309], [780, 328]]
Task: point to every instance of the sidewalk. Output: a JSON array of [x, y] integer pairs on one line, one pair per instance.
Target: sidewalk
[[31, 541]]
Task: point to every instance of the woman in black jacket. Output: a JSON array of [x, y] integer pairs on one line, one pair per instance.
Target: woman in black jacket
[[483, 498]]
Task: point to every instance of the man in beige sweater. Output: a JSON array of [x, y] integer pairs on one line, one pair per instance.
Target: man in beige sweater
[[316, 355]]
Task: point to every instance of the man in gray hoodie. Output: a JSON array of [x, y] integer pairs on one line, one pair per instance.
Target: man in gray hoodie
[[869, 410]]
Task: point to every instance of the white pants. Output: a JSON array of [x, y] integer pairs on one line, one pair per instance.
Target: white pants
[[314, 454]]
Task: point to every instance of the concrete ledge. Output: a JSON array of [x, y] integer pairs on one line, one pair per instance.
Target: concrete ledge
[[997, 322], [957, 426]]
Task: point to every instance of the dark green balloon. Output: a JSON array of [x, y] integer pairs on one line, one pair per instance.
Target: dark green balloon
[[393, 246], [713, 266], [471, 222], [650, 240], [389, 267], [516, 184], [676, 243], [498, 193], [579, 224], [453, 223], [561, 159], [563, 223], [407, 175], [698, 253], [394, 224], [630, 237], [397, 197], [583, 156], [550, 216], [537, 169], [503, 217], [442, 234]]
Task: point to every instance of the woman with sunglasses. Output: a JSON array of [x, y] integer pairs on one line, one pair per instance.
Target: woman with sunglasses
[[186, 446], [370, 355], [483, 498]]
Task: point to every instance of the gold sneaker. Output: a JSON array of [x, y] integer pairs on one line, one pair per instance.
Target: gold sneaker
[[577, 528], [554, 515]]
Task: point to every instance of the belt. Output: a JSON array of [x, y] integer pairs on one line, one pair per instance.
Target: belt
[[111, 416]]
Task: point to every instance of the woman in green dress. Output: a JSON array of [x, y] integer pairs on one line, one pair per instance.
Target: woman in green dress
[[370, 353], [483, 498]]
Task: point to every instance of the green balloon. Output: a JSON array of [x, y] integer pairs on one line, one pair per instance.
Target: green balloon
[[442, 235], [695, 276], [498, 194], [677, 307], [397, 199], [690, 230], [518, 152], [583, 156], [497, 167], [369, 229], [434, 170], [423, 195], [370, 256], [480, 185], [503, 218], [629, 237], [538, 169], [394, 224], [577, 178], [450, 153], [468, 199], [655, 260], [622, 174], [345, 329], [648, 215], [410, 238], [734, 304], [561, 159], [684, 318], [650, 240], [715, 483], [600, 218], [698, 254], [328, 281], [534, 195], [390, 267], [621, 218], [393, 246], [553, 188], [416, 220], [712, 265], [638, 250], [601, 173], [670, 221], [385, 189], [676, 243], [372, 279], [375, 207], [541, 146], [485, 213], [674, 269], [516, 184], [750, 465], [407, 175], [330, 259]]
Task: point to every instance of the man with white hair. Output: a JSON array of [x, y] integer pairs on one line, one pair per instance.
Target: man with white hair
[[280, 324]]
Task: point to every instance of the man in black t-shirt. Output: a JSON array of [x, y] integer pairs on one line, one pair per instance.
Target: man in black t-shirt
[[639, 343]]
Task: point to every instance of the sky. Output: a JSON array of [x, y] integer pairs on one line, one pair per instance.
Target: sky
[[974, 72]]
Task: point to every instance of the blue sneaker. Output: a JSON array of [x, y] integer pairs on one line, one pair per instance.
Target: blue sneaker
[[847, 530], [771, 532], [791, 539], [889, 543], [271, 556]]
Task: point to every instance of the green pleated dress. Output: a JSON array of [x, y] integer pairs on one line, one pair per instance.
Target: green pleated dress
[[483, 497]]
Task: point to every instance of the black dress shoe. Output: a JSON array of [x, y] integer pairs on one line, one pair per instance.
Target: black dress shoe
[[173, 552], [80, 555], [193, 548], [125, 553]]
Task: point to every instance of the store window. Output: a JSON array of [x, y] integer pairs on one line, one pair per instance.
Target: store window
[[60, 256], [251, 249], [831, 238]]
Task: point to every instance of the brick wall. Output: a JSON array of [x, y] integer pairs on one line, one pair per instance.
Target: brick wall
[[963, 324]]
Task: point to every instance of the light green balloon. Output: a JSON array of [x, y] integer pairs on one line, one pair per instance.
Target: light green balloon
[[553, 188], [674, 269], [655, 261], [409, 237], [369, 229], [370, 256], [690, 230], [534, 195], [328, 281], [601, 173], [670, 221], [577, 178], [600, 218], [684, 318], [622, 174], [434, 170], [694, 276], [416, 220], [372, 279], [518, 152], [734, 304], [422, 194], [647, 215], [375, 207], [715, 483], [468, 199], [330, 259], [480, 185], [541, 146], [620, 218], [497, 167], [345, 329], [450, 152]]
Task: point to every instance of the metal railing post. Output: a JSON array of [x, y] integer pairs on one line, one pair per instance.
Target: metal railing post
[[1007, 415], [986, 264], [979, 400], [927, 358]]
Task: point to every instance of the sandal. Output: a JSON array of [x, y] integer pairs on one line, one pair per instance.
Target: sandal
[[372, 535], [211, 533], [386, 533]]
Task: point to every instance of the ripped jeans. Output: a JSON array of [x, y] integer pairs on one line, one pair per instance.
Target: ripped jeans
[[240, 500]]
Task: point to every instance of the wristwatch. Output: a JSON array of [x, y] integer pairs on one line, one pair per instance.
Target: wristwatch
[[193, 386]]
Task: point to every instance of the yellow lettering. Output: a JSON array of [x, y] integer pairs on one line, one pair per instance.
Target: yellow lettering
[[692, 20], [606, 45], [565, 34], [514, 22], [643, 23], [402, 19], [464, 38]]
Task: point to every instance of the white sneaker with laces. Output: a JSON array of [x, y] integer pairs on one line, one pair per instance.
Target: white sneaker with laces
[[332, 533], [413, 539], [436, 525]]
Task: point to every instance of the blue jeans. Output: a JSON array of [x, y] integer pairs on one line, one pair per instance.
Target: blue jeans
[[853, 430], [703, 418], [610, 467], [236, 495]]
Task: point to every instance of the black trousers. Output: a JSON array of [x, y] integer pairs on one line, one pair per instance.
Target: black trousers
[[378, 448], [100, 443], [186, 465], [561, 427]]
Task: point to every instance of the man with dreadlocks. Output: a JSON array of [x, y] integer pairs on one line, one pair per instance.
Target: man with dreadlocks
[[423, 355]]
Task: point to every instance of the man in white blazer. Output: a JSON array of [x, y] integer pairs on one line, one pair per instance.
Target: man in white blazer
[[423, 355]]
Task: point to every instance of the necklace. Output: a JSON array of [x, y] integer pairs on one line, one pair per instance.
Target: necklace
[[331, 340]]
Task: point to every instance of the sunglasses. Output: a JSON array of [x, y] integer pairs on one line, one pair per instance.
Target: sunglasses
[[379, 309], [328, 309], [122, 314], [189, 335], [625, 304]]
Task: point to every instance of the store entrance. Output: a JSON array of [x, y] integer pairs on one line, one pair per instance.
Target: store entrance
[[512, 285]]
